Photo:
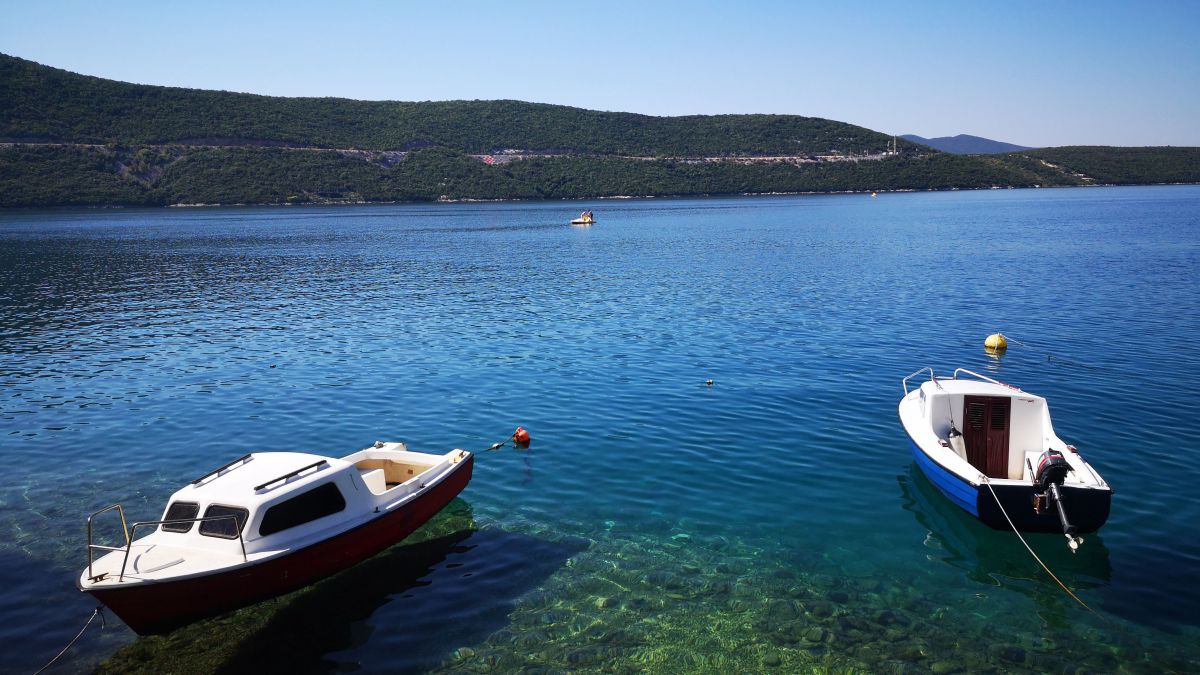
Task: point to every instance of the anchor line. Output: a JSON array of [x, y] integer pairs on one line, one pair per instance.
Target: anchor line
[[519, 439], [96, 612], [1035, 556], [1048, 355]]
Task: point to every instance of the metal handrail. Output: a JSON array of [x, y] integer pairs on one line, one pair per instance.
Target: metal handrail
[[290, 474], [130, 531], [91, 546], [129, 546], [904, 382], [983, 377], [222, 468]]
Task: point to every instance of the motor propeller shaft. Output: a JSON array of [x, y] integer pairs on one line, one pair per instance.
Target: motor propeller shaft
[[1068, 529]]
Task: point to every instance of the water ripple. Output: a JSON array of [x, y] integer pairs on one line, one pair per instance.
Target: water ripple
[[771, 520]]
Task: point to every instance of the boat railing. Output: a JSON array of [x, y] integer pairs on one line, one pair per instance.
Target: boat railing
[[984, 378], [904, 382], [131, 531], [93, 547], [223, 467], [290, 474]]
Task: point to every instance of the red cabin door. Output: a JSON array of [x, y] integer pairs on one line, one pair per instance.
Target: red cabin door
[[986, 433]]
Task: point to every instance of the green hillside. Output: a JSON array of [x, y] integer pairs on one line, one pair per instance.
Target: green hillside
[[68, 139], [47, 104], [1123, 166], [75, 175]]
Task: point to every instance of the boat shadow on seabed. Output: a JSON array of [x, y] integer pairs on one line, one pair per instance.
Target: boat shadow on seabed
[[997, 558], [417, 601]]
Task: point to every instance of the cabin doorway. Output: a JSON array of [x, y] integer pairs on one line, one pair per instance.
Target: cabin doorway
[[986, 435]]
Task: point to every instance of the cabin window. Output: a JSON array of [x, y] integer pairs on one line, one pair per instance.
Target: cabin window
[[224, 528], [180, 511], [316, 503]]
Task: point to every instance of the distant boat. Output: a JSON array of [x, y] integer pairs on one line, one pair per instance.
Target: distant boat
[[266, 524], [583, 221], [1005, 466]]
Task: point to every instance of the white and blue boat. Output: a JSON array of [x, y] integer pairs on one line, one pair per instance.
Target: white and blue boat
[[991, 449]]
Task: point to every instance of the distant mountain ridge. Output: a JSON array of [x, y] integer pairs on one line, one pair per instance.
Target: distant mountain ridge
[[966, 144], [70, 139]]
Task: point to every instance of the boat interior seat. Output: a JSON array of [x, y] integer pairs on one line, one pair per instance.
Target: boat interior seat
[[395, 472], [374, 480]]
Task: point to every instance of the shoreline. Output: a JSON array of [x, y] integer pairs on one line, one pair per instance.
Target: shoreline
[[474, 200]]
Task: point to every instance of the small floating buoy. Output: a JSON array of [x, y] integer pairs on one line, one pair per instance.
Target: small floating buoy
[[995, 343], [521, 436]]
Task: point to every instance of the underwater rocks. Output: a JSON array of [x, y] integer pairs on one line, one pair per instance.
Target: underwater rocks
[[657, 599]]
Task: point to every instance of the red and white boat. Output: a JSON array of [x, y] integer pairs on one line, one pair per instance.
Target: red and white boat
[[266, 524]]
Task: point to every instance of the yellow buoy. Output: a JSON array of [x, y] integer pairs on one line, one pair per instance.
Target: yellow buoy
[[995, 343]]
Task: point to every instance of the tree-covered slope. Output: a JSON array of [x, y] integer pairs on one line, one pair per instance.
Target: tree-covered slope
[[68, 139], [39, 103], [1123, 166], [37, 176]]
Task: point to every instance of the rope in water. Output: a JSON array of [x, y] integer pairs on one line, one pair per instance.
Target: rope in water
[[1048, 355], [519, 439], [1035, 556], [95, 613]]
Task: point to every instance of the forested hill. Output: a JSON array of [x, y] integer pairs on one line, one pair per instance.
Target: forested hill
[[68, 139], [39, 103]]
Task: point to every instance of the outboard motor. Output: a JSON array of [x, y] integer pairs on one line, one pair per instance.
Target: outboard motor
[[1052, 470]]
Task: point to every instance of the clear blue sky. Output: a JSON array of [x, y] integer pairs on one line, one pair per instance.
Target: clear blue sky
[[1033, 73]]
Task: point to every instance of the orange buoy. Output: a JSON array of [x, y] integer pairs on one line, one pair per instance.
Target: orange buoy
[[521, 436]]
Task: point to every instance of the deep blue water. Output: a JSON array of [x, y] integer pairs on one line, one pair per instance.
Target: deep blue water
[[771, 521]]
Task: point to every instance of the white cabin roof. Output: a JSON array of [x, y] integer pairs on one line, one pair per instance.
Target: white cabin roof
[[236, 485], [974, 388]]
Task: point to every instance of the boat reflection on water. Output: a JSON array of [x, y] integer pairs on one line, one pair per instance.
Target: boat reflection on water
[[997, 558], [404, 610]]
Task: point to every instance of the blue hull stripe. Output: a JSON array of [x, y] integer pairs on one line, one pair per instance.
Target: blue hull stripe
[[962, 493]]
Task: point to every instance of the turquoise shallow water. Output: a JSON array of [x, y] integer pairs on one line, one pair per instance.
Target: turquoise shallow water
[[772, 521]]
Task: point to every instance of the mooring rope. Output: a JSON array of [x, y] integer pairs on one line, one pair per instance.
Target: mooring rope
[[519, 439], [1035, 556], [96, 612], [1048, 355]]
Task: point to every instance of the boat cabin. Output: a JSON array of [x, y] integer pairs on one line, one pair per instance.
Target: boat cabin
[[1003, 429], [265, 524], [277, 497], [267, 503]]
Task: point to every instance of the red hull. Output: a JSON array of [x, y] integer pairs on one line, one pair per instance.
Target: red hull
[[160, 607]]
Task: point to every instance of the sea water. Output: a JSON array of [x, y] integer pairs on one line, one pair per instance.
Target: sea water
[[770, 521]]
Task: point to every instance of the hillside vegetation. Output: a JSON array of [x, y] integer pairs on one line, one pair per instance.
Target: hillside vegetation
[[73, 175], [68, 139], [47, 104], [1124, 166]]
